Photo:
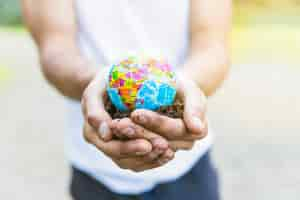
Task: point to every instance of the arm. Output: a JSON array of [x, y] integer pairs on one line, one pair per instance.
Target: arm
[[203, 72], [208, 59], [53, 27]]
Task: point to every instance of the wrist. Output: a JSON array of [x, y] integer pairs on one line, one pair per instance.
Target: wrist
[[84, 75], [183, 77], [184, 81]]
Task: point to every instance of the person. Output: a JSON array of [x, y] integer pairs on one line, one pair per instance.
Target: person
[[146, 155]]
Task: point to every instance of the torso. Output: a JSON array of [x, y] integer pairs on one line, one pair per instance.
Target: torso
[[107, 30], [117, 27]]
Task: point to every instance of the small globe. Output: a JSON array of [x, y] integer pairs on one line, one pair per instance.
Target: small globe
[[141, 83]]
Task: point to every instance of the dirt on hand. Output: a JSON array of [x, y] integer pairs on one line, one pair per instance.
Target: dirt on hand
[[173, 111]]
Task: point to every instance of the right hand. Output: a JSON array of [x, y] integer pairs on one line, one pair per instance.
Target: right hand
[[128, 154], [137, 154]]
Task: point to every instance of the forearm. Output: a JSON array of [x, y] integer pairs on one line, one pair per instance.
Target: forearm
[[207, 65], [65, 68], [208, 59], [52, 23]]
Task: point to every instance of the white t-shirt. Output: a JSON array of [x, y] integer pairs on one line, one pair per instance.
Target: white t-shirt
[[109, 29]]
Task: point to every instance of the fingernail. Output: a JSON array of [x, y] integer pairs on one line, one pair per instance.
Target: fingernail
[[142, 119], [197, 122], [129, 132], [103, 130]]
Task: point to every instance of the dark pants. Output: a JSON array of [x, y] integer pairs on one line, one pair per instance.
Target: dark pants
[[201, 183]]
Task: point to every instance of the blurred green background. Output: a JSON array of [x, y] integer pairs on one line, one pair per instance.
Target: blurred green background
[[10, 12]]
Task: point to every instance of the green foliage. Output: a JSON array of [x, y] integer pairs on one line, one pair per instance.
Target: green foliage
[[10, 12]]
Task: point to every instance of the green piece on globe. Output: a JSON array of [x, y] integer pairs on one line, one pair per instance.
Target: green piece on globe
[[141, 84]]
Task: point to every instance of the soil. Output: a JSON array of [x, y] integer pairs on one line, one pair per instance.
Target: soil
[[173, 111]]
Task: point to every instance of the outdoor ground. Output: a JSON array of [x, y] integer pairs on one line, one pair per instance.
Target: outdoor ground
[[255, 117]]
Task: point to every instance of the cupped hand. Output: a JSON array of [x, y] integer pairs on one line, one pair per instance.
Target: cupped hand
[[133, 154], [181, 133], [99, 130], [161, 148]]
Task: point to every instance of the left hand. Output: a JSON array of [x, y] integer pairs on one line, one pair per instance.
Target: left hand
[[134, 154], [181, 133]]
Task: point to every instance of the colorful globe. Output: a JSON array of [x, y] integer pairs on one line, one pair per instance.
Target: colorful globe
[[137, 83]]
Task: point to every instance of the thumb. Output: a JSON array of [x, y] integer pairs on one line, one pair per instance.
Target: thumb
[[194, 106], [93, 107]]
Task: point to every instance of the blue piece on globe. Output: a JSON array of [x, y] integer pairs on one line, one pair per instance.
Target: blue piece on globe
[[141, 84]]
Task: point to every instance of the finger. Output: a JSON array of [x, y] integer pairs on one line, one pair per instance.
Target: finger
[[127, 128], [162, 158], [155, 154], [169, 128], [166, 157], [123, 128], [115, 131], [124, 149], [152, 165], [136, 165], [140, 164], [190, 137], [181, 145], [194, 107], [93, 107], [116, 148]]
